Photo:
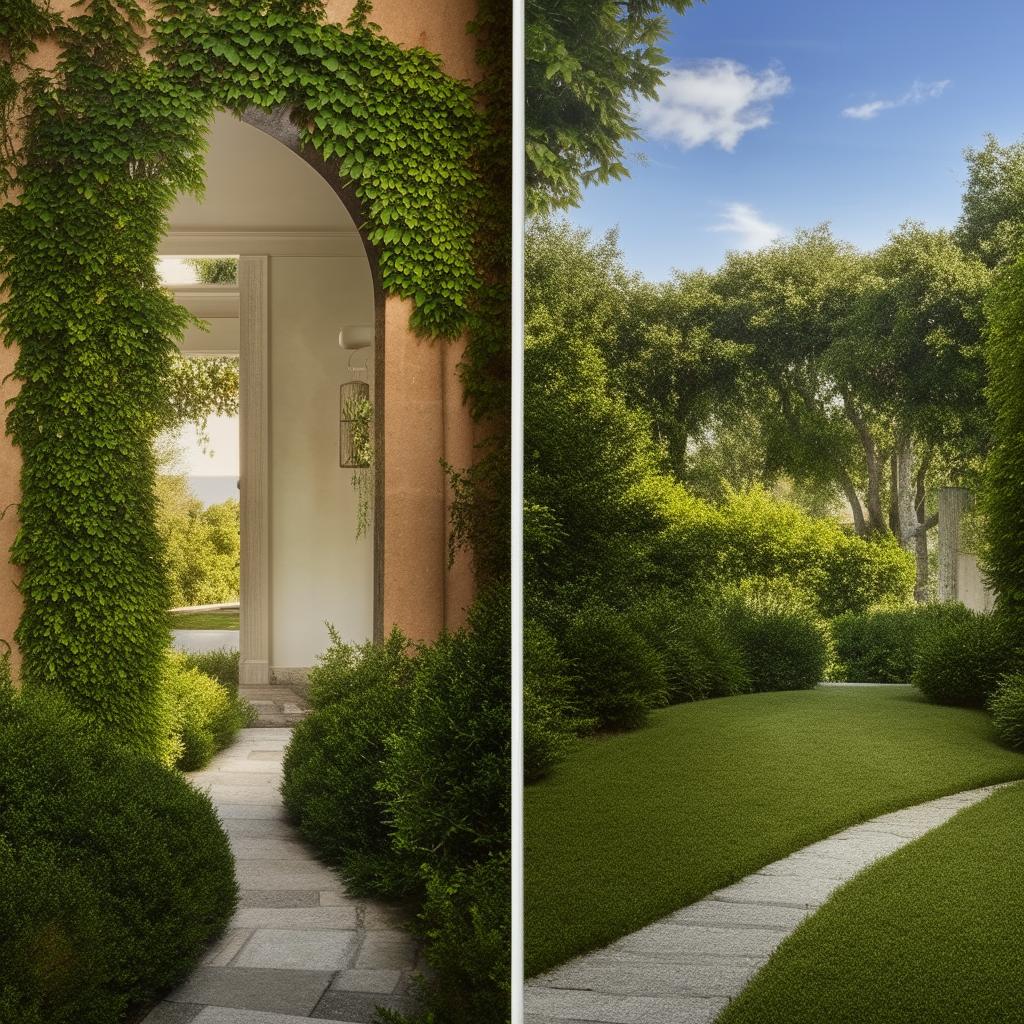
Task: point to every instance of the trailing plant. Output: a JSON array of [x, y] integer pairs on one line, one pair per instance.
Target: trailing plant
[[359, 413]]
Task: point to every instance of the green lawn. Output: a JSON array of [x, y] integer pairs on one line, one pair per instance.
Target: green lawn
[[205, 620], [635, 826], [932, 933]]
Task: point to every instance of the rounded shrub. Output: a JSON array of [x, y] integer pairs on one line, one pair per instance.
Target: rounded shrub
[[1006, 705], [882, 645], [699, 656], [118, 872], [202, 716], [782, 640], [221, 665], [447, 774], [619, 676], [549, 723], [961, 662], [335, 761]]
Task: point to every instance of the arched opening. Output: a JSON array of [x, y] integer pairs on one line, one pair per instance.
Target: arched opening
[[306, 288]]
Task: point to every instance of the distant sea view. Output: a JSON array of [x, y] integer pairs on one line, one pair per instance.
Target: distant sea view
[[211, 490]]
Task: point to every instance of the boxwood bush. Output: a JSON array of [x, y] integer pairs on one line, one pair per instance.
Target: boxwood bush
[[699, 656], [619, 677], [961, 663], [882, 645], [335, 761], [114, 872], [782, 640], [1006, 705], [202, 716], [221, 665]]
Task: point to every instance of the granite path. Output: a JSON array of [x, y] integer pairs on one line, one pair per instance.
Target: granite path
[[685, 968], [299, 947]]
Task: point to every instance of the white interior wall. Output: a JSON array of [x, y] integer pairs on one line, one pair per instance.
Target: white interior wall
[[261, 199], [319, 570]]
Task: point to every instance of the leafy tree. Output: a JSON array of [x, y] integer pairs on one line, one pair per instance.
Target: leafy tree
[[199, 388], [201, 545], [587, 61], [992, 218], [876, 367], [215, 269], [655, 339]]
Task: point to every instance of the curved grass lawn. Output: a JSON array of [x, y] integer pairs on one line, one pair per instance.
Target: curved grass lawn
[[637, 825], [931, 933]]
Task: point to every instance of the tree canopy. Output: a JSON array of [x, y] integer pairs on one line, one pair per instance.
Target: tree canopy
[[587, 62]]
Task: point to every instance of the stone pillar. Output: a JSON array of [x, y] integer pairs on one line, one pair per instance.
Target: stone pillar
[[953, 503]]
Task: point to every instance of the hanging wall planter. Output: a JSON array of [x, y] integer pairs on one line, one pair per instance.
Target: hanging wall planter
[[355, 445]]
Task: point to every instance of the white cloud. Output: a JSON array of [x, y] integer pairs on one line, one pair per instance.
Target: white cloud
[[751, 229], [713, 101], [917, 93]]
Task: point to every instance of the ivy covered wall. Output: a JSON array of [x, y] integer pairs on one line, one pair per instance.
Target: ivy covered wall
[[109, 139]]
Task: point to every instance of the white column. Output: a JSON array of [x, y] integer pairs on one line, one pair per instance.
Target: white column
[[254, 457]]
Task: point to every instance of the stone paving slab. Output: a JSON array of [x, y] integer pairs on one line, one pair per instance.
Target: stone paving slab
[[225, 1015], [299, 947], [685, 968]]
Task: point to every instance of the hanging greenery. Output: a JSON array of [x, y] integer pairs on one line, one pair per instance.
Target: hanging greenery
[[357, 415]]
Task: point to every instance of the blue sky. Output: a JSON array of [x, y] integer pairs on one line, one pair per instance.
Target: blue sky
[[919, 81]]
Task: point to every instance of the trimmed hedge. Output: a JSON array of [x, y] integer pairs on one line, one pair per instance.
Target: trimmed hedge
[[1007, 709], [699, 656], [962, 663], [883, 645], [619, 677], [221, 665], [752, 534], [114, 873], [202, 716], [783, 643], [400, 776], [334, 764]]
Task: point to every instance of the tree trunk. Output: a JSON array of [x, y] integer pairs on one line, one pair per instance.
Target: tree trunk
[[859, 525], [904, 489], [876, 518]]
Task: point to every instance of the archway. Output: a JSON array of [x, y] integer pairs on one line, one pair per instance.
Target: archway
[[305, 286]]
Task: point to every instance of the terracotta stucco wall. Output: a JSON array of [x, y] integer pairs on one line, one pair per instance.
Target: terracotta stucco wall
[[426, 419]]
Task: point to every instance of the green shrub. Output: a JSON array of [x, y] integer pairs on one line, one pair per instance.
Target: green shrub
[[447, 775], [753, 535], [783, 641], [1006, 705], [466, 921], [619, 677], [961, 662], [549, 722], [882, 645], [335, 761], [202, 716], [448, 785], [221, 665], [699, 656], [114, 873]]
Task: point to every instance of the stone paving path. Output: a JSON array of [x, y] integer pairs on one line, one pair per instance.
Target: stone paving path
[[685, 968], [299, 947], [277, 705]]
